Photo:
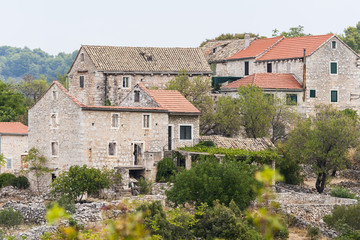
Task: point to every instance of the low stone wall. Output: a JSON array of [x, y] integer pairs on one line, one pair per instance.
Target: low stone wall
[[33, 213]]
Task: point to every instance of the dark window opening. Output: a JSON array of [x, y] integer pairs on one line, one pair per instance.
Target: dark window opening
[[146, 121], [334, 96], [269, 67], [333, 44], [246, 68], [333, 67], [125, 82], [312, 93], [54, 148], [82, 58], [82, 79], [137, 96], [112, 148], [53, 177], [185, 133], [291, 99]]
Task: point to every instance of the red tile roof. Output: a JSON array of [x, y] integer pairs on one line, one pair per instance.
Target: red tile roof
[[289, 48], [256, 48], [172, 100], [67, 93], [13, 128], [267, 81]]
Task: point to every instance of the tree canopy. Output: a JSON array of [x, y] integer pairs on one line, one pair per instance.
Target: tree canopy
[[12, 103], [229, 36], [293, 32], [351, 37]]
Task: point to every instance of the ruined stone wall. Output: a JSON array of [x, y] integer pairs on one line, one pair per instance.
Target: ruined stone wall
[[144, 99], [346, 81], [237, 68], [67, 132], [13, 146], [176, 121]]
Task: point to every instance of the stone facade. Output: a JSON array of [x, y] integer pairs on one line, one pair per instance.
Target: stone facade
[[13, 146]]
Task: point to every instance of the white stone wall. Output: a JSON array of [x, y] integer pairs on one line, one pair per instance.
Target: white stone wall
[[13, 146], [176, 121], [237, 68]]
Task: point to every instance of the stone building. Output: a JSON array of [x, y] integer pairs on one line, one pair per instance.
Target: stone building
[[103, 72], [327, 69], [13, 145], [132, 136]]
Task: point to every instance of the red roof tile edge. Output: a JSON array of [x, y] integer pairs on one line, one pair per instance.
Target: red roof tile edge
[[21, 129]]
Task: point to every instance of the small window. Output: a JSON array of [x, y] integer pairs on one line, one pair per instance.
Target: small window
[[146, 121], [269, 68], [54, 122], [54, 148], [137, 96], [334, 96], [214, 50], [312, 93], [8, 163], [82, 58], [125, 82], [333, 68], [115, 120], [185, 133], [333, 44], [291, 99], [246, 68], [54, 95], [82, 81], [112, 148]]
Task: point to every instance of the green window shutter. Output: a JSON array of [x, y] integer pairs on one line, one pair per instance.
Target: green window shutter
[[333, 67], [334, 96], [291, 99], [312, 93], [185, 133]]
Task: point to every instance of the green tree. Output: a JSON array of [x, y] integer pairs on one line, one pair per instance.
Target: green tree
[[10, 218], [323, 142], [351, 37], [227, 117], [166, 169], [78, 180], [229, 36], [32, 89], [37, 167], [196, 90], [293, 32], [12, 103], [210, 180]]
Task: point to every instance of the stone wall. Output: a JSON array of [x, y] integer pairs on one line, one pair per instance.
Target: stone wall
[[176, 121], [13, 146]]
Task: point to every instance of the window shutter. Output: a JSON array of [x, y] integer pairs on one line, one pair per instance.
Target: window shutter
[[8, 163], [312, 93], [333, 68], [334, 97]]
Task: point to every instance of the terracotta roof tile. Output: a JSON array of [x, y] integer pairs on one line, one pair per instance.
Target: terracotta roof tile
[[294, 47], [67, 93], [267, 81], [148, 59], [13, 128], [172, 100], [256, 48]]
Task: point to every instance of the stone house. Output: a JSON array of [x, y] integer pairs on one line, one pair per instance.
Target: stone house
[[132, 136], [327, 69], [104, 72], [13, 145]]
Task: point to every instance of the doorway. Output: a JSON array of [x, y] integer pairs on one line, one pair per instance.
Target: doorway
[[138, 148]]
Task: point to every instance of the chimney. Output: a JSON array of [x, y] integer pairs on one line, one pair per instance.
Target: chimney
[[247, 40]]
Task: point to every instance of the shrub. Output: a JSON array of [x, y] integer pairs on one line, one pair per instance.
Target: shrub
[[210, 180], [6, 179], [289, 168], [80, 180], [20, 182], [145, 186], [166, 169], [65, 202], [10, 218], [341, 192], [313, 233], [344, 214]]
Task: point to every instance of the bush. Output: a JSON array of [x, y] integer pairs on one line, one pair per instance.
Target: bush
[[341, 192], [210, 180], [20, 182], [166, 169], [80, 180], [6, 179], [289, 168], [65, 202], [313, 233], [145, 186], [10, 218]]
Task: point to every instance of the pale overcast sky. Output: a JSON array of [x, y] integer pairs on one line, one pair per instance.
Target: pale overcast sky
[[63, 26]]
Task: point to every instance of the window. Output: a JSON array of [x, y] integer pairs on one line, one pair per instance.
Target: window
[[334, 96], [54, 122], [185, 132], [137, 96], [146, 121], [291, 99], [269, 68], [115, 120], [8, 163], [246, 68], [333, 44], [82, 79], [82, 58], [112, 148], [125, 82], [54, 148], [333, 67], [54, 95], [312, 93]]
